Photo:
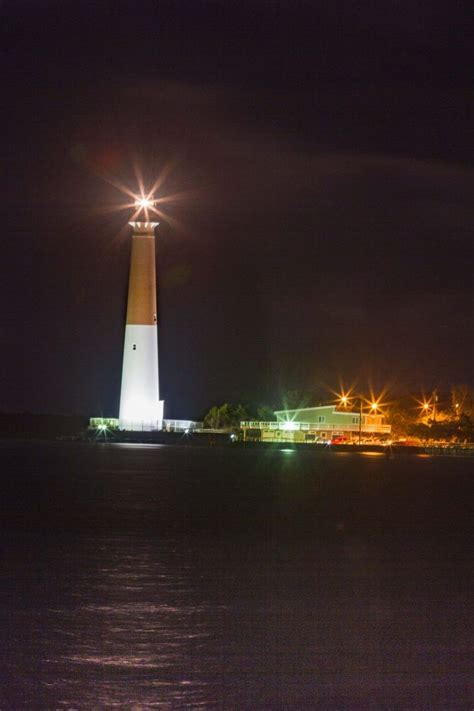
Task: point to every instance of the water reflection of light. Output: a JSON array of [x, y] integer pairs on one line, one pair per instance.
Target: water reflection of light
[[134, 445], [372, 454], [137, 612]]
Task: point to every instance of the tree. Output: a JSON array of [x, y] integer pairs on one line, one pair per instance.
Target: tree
[[462, 400], [265, 413], [402, 417], [212, 418], [295, 399], [419, 430], [226, 416], [466, 428], [447, 430]]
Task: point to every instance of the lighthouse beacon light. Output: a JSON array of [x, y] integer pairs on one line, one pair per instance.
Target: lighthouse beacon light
[[144, 202]]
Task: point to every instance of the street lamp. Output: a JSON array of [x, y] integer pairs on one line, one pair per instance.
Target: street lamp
[[435, 399], [373, 406], [360, 398]]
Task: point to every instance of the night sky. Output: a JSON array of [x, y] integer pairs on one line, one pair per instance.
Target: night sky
[[321, 153]]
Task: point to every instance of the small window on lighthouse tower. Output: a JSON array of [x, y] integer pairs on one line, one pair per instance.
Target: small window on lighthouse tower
[[134, 347]]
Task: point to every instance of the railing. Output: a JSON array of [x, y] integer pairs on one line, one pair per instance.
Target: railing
[[316, 427], [181, 425]]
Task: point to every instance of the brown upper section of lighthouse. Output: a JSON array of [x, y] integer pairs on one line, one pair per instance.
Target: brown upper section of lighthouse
[[141, 305]]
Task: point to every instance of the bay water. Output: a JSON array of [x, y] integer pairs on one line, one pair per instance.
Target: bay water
[[142, 576]]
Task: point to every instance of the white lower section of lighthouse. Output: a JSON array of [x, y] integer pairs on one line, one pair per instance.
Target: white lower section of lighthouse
[[140, 406]]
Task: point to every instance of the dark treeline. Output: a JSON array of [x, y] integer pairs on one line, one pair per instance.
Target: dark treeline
[[32, 425]]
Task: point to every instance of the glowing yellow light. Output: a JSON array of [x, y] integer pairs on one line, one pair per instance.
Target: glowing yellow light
[[426, 406], [344, 399], [373, 406]]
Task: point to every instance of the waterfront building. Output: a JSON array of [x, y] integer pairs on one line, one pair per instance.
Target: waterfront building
[[113, 423], [325, 423]]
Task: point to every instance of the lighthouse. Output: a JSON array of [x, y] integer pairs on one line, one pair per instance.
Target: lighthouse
[[140, 404]]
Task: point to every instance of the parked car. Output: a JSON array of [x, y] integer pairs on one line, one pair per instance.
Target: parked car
[[339, 439]]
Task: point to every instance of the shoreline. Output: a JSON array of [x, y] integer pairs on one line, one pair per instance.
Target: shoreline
[[222, 440]]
